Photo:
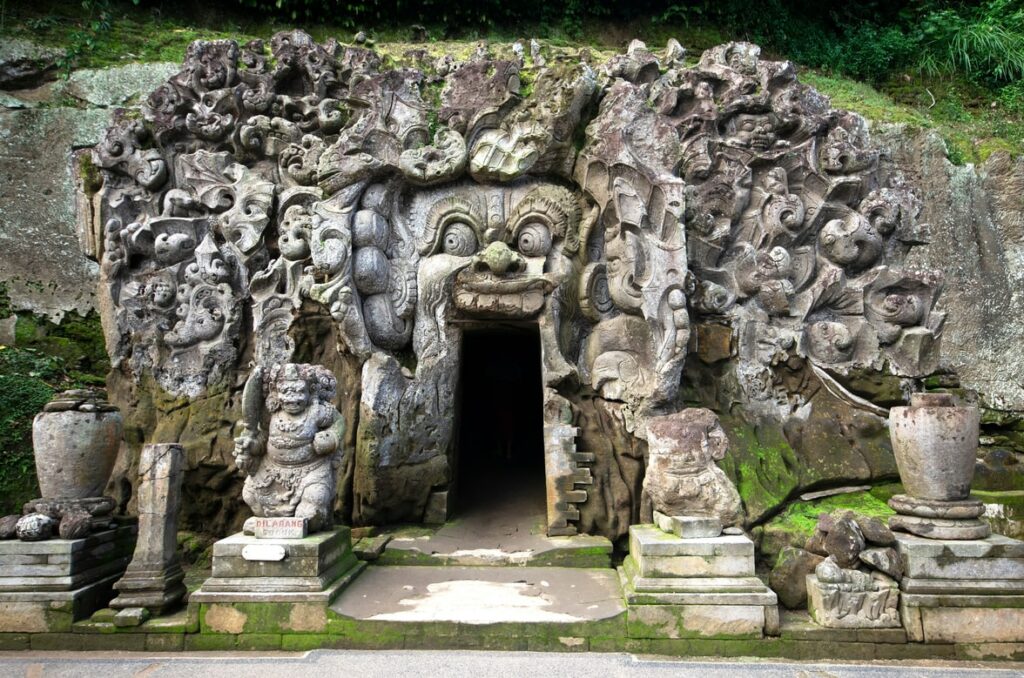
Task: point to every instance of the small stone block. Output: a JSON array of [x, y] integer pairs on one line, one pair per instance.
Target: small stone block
[[370, 548], [688, 527], [279, 528], [131, 616]]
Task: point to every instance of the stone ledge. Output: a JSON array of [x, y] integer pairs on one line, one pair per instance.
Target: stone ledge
[[326, 595], [794, 644]]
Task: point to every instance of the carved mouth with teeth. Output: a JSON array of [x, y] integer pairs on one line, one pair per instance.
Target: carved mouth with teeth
[[496, 284]]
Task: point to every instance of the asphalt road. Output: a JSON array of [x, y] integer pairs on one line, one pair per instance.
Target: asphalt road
[[456, 664]]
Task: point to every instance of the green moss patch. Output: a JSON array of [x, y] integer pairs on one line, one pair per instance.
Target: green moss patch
[[796, 523]]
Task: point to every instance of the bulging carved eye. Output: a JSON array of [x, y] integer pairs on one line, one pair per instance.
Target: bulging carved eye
[[534, 240], [459, 239]]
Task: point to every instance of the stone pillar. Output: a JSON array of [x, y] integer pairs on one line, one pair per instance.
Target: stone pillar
[[154, 578]]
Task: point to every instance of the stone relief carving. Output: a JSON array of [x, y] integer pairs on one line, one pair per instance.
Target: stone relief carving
[[616, 206]]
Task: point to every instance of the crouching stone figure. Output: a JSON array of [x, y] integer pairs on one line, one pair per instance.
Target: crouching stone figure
[[682, 478], [291, 458]]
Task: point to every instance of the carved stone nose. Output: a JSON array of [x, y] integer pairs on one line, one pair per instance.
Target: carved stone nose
[[499, 259]]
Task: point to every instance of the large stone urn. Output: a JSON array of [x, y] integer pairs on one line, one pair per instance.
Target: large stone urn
[[935, 442], [76, 438]]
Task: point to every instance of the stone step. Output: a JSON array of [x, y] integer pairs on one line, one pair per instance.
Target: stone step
[[484, 596], [534, 550]]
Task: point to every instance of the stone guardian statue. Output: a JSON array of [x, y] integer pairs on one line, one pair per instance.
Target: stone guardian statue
[[290, 458], [682, 478]]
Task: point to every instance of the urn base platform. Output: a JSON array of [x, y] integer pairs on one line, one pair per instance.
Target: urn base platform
[[962, 591], [953, 520], [48, 585]]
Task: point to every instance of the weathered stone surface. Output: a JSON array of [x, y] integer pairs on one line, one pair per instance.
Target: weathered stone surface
[[844, 541], [995, 558], [43, 267], [935, 443], [875, 531], [25, 64], [75, 525], [658, 554], [972, 625], [35, 527], [75, 441], [696, 621], [131, 616], [964, 509], [682, 478], [154, 578], [9, 526], [117, 86], [688, 527], [789, 576], [941, 528], [976, 204], [311, 565], [848, 602], [884, 560]]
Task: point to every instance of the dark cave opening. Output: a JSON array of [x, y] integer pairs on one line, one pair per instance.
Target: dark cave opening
[[500, 453]]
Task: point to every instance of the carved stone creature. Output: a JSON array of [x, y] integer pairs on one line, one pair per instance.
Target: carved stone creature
[[682, 478], [291, 462], [845, 598]]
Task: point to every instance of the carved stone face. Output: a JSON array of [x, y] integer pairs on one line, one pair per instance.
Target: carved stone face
[[507, 243], [162, 293], [293, 394]]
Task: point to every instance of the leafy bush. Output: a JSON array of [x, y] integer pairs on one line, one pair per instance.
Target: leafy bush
[[986, 43]]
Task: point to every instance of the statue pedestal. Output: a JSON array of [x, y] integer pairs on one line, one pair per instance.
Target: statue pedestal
[[962, 591], [47, 585], [250, 569], [692, 588]]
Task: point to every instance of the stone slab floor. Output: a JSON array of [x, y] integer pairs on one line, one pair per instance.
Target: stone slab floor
[[506, 527], [482, 595]]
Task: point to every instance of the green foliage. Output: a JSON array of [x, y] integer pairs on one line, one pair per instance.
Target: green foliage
[[1012, 97], [23, 392], [986, 43]]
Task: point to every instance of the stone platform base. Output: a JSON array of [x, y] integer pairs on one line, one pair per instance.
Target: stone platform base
[[311, 569], [963, 618], [53, 611], [48, 585], [701, 587]]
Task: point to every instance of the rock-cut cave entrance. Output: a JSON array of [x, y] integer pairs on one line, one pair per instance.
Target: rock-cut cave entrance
[[499, 478]]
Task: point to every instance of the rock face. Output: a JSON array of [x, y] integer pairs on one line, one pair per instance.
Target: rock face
[[321, 204], [43, 263], [789, 576]]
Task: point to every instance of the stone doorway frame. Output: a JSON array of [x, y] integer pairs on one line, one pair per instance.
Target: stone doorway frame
[[566, 470]]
